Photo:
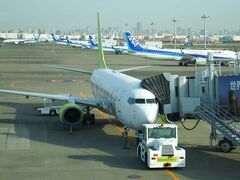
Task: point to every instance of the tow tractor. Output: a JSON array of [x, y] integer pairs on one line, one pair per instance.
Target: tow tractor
[[158, 146]]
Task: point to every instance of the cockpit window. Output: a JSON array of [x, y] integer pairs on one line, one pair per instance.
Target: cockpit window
[[151, 101], [141, 101], [131, 101]]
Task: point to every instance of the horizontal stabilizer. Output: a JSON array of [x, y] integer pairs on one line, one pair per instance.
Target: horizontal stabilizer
[[130, 69], [70, 69]]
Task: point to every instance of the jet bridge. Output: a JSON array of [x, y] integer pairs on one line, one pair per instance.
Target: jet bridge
[[204, 96], [159, 86]]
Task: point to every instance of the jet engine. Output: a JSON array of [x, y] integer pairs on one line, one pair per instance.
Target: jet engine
[[71, 114]]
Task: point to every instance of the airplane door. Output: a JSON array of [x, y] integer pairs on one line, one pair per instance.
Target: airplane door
[[119, 106]]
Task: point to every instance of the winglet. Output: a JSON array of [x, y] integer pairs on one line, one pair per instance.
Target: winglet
[[101, 60]]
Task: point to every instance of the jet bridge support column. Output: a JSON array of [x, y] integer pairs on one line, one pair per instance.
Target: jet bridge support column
[[210, 65], [237, 64]]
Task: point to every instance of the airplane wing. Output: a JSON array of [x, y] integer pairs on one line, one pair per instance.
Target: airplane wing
[[77, 100]]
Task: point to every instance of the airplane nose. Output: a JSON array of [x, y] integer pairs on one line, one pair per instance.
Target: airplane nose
[[147, 115]]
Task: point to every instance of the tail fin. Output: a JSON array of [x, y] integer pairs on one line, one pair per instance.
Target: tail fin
[[92, 42], [101, 60], [36, 37], [68, 40], [132, 42], [54, 37]]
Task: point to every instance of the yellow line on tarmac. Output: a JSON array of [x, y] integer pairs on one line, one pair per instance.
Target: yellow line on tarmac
[[170, 173], [14, 85]]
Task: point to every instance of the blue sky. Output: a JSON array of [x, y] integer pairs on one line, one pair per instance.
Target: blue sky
[[72, 14]]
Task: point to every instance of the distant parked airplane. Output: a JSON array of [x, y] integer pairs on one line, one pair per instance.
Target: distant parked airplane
[[185, 56], [35, 39]]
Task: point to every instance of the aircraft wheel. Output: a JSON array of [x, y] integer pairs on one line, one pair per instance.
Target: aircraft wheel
[[52, 113], [181, 63], [225, 146], [84, 121], [92, 119]]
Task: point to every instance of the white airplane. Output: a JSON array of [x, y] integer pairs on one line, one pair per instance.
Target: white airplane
[[185, 56], [66, 42], [115, 93], [69, 42], [77, 43], [94, 45], [35, 39], [111, 48]]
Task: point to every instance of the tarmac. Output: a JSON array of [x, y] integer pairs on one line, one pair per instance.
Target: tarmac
[[33, 146]]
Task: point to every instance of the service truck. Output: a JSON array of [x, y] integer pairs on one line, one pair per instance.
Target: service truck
[[158, 146], [49, 110]]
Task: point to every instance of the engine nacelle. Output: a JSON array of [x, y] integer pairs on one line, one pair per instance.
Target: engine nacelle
[[71, 114]]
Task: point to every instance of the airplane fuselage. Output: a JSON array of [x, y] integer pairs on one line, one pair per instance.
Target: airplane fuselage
[[123, 97], [178, 54]]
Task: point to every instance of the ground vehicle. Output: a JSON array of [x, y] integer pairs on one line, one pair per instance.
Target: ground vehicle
[[158, 146], [49, 110], [51, 107]]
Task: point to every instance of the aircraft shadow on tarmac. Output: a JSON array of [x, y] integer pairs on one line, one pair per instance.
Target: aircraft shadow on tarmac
[[49, 130], [203, 162]]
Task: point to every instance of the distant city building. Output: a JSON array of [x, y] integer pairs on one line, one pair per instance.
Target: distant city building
[[139, 27], [189, 32]]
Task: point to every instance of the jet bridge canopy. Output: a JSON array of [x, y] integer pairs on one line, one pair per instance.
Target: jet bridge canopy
[[160, 87]]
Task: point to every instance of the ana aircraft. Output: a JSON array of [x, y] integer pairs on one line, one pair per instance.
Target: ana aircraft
[[115, 93], [185, 56], [66, 42], [77, 43], [94, 45], [35, 39]]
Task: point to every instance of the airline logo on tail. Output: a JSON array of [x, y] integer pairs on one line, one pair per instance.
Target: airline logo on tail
[[132, 42], [68, 40], [54, 37], [92, 42], [36, 37]]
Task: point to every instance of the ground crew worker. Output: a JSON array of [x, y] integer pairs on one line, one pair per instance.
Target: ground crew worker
[[125, 135]]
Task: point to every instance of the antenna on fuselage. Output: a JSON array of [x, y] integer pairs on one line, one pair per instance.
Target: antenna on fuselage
[[101, 60]]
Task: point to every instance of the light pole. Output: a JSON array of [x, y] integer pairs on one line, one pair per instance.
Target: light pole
[[174, 31], [152, 24], [204, 17], [126, 25]]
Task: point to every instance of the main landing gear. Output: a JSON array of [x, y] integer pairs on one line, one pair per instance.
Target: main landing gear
[[88, 117]]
